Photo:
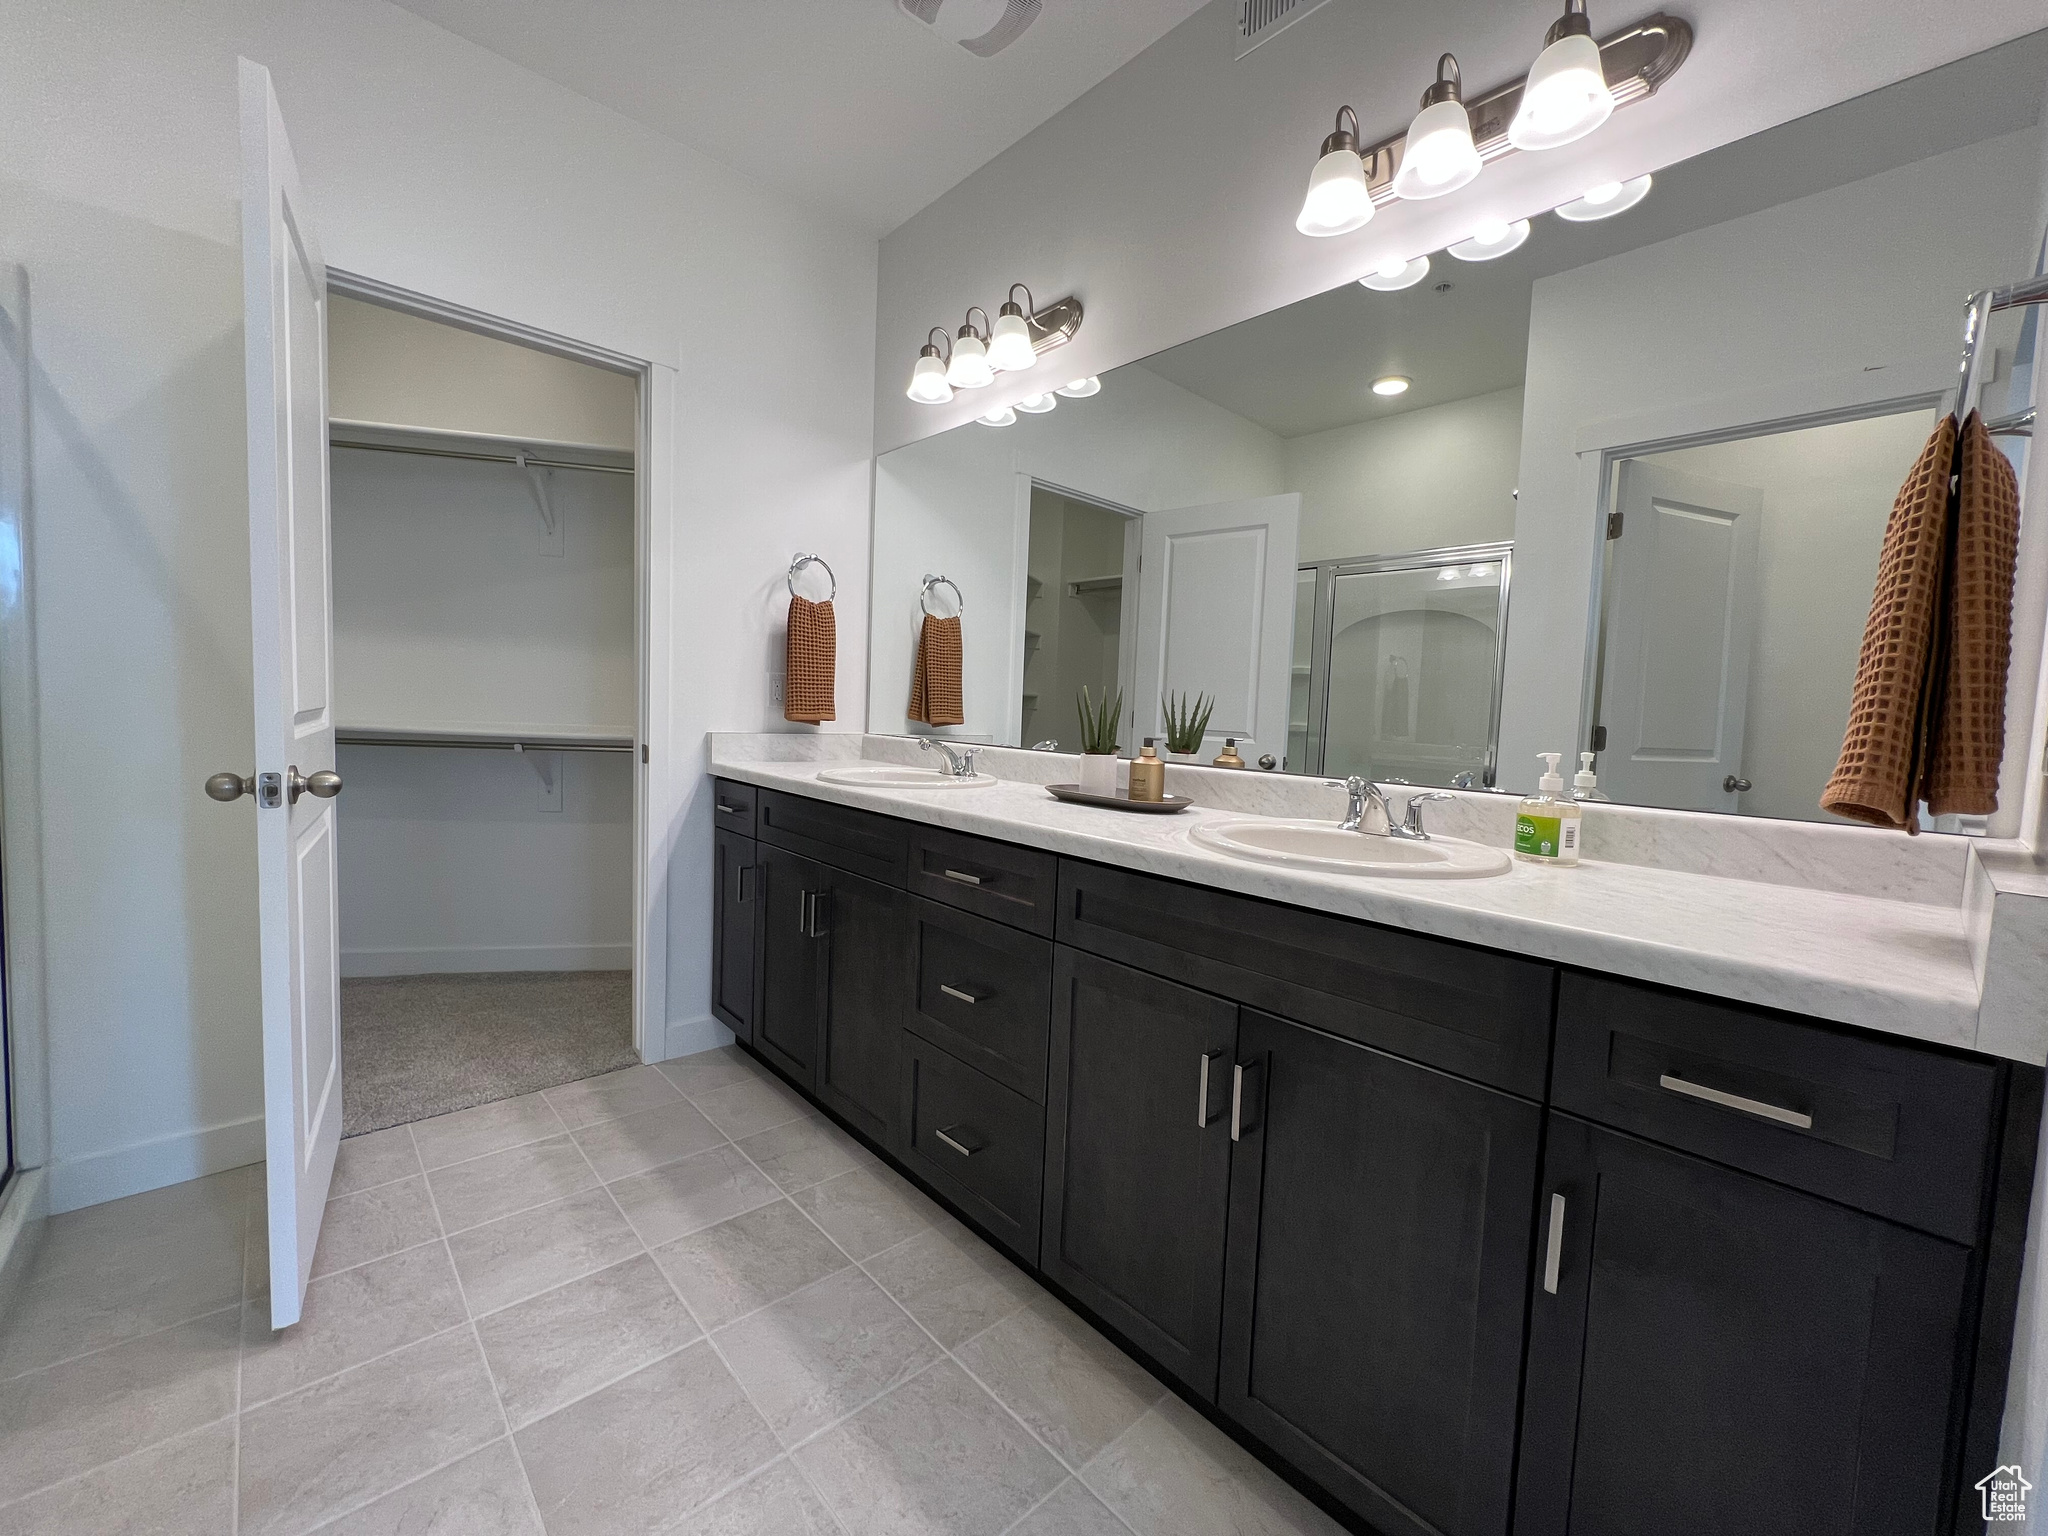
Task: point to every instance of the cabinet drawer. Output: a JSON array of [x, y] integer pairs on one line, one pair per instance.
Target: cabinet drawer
[[984, 992], [1896, 1130], [998, 880], [979, 1143], [860, 841], [732, 806], [1469, 1011]]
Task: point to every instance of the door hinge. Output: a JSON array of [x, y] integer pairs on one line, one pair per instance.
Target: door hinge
[[643, 751], [1599, 738], [1614, 525]]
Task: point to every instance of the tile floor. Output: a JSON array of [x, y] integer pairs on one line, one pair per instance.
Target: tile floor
[[664, 1300]]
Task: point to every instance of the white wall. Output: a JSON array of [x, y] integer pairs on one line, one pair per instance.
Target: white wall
[[1751, 320], [441, 168]]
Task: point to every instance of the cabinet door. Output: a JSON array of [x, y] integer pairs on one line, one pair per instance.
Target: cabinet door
[[1137, 1159], [1710, 1352], [1380, 1218], [789, 982], [736, 900], [867, 942]]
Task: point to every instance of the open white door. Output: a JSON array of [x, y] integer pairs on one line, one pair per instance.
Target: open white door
[[284, 299], [1682, 611], [1216, 615]]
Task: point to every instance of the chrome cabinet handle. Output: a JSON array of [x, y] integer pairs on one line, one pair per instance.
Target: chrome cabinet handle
[[962, 876], [730, 810], [1553, 1250], [960, 992], [1202, 1092], [958, 1146], [739, 882], [813, 931], [1735, 1101], [1238, 1103]]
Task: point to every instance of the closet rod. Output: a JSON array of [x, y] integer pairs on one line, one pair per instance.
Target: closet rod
[[479, 743], [488, 458]]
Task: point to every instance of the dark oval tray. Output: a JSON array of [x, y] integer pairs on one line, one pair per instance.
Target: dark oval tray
[[1074, 794]]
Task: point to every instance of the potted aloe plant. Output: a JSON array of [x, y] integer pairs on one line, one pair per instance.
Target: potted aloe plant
[[1186, 724], [1098, 740]]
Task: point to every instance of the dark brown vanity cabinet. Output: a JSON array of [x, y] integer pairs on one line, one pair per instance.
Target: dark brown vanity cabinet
[[737, 881], [789, 991]]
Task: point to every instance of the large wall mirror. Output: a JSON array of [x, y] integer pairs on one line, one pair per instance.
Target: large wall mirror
[[1617, 486]]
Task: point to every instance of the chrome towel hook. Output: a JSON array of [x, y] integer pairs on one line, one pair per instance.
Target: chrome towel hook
[[924, 595], [800, 561]]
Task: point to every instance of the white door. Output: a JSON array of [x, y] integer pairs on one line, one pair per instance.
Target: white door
[[284, 300], [1216, 615], [1680, 615]]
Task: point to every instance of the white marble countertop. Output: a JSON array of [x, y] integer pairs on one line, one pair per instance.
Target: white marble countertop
[[1901, 967]]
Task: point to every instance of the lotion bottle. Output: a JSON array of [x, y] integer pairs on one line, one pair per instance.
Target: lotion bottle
[[1148, 774], [1546, 824], [1584, 785]]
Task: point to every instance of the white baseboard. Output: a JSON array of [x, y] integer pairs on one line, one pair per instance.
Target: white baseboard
[[487, 957], [130, 1170], [23, 1207], [686, 1037]]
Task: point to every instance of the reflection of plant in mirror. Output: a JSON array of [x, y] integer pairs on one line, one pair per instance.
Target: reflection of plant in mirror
[[1186, 724], [1099, 721]]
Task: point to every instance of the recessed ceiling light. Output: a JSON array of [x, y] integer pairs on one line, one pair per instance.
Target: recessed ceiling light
[[1081, 389], [1037, 405], [1606, 200], [1392, 276], [1003, 418], [1491, 240], [1391, 384]]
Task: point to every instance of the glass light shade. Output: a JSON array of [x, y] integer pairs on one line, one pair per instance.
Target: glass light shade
[[1440, 156], [1492, 240], [1606, 200], [1565, 97], [1037, 405], [1081, 389], [928, 384], [1392, 384], [1003, 418], [1393, 276], [969, 368], [1009, 345], [1338, 199]]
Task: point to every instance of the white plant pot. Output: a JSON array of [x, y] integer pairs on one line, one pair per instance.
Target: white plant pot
[[1098, 773]]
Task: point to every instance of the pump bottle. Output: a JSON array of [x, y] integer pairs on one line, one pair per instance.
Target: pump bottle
[[1547, 824]]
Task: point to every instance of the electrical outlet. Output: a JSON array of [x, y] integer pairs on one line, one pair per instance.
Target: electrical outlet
[[775, 689]]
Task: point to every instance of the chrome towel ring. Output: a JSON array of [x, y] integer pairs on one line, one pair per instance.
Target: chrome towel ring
[[803, 560], [924, 596]]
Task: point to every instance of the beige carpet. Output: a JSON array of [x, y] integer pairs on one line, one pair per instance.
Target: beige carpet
[[417, 1046]]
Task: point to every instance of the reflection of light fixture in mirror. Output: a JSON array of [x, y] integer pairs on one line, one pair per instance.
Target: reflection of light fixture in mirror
[[1338, 199], [1491, 240], [1439, 156], [1391, 384], [1448, 573], [1393, 276], [1566, 96], [969, 368], [1037, 405], [1003, 418], [1081, 389], [1009, 344], [1480, 570], [1606, 200], [928, 384]]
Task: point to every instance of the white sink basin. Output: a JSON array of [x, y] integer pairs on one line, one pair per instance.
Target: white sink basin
[[1322, 845], [886, 776]]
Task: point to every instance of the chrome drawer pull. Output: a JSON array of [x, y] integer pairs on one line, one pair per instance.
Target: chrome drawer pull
[[1236, 1101], [1735, 1101], [952, 991], [1553, 1251], [962, 1148], [1202, 1093], [962, 876], [730, 810]]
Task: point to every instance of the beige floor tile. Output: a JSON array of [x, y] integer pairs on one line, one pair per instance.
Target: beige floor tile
[[817, 1355], [741, 1109], [801, 1153], [1071, 1511], [134, 1289], [1074, 1388], [256, 1245], [952, 1282], [349, 1318], [682, 1197], [321, 1451], [485, 1128], [865, 1213], [749, 1261], [777, 1503], [510, 1259], [59, 1422], [936, 1457], [373, 1222], [1173, 1474], [378, 1158], [634, 1143], [645, 1451], [610, 1096], [712, 1069], [214, 1207], [486, 1188], [563, 1344], [484, 1494], [180, 1487]]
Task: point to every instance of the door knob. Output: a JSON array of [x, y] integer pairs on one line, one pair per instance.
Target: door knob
[[321, 784], [1734, 786], [229, 786]]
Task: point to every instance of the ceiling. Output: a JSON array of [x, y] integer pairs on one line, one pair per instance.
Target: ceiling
[[846, 105], [1309, 367]]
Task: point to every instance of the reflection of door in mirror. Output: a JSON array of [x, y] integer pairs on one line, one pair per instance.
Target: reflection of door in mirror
[[1073, 612], [1300, 751]]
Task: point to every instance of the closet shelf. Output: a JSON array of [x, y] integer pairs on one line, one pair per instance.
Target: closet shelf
[[538, 739], [1094, 584], [485, 447]]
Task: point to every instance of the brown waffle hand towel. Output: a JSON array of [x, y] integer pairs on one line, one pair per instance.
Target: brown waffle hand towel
[[812, 659], [935, 675]]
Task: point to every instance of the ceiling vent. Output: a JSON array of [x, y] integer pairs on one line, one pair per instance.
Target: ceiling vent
[[1258, 20], [984, 27]]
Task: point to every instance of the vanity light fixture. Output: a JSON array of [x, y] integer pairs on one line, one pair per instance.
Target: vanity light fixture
[[1492, 240], [1439, 156], [1566, 96], [1009, 344], [928, 384], [1393, 276], [1339, 197], [1605, 201], [1038, 405], [969, 368], [1003, 418], [1391, 384], [1081, 389]]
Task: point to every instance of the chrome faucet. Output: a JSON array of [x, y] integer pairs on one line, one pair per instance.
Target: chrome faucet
[[1410, 828], [959, 764], [1364, 795]]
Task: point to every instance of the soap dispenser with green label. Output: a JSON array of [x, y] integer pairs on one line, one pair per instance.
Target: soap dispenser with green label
[[1547, 824]]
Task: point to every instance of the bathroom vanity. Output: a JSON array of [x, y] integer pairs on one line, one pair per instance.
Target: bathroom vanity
[[1469, 1240]]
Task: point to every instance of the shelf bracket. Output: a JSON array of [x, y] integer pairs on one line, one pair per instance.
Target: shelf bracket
[[549, 766], [551, 529]]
